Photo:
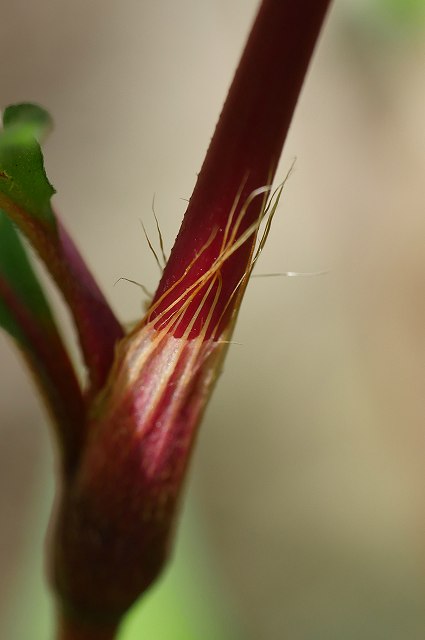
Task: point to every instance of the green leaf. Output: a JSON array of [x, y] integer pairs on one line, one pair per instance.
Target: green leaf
[[403, 11], [23, 180], [28, 114], [16, 271], [25, 195]]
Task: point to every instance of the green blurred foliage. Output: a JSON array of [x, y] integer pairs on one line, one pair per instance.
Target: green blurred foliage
[[401, 11], [392, 19], [187, 603]]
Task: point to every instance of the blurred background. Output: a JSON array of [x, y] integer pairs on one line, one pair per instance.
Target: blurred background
[[305, 515]]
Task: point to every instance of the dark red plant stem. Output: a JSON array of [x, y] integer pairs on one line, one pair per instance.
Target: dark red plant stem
[[54, 374], [245, 148], [116, 520], [71, 630], [97, 327]]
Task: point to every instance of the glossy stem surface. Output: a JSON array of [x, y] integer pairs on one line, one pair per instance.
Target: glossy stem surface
[[69, 629], [244, 150]]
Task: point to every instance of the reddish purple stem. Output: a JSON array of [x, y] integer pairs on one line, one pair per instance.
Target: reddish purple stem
[[98, 328], [116, 518], [244, 150], [53, 371]]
